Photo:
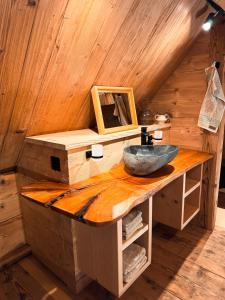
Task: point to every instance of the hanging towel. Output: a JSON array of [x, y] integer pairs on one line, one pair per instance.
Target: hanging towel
[[122, 109], [213, 105]]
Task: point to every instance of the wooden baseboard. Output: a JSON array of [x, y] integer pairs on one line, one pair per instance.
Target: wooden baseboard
[[14, 256]]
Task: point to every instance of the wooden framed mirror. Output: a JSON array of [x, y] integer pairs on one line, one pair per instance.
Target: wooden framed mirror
[[114, 109]]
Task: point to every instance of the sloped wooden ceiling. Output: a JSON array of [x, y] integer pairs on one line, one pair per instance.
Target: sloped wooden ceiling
[[53, 51], [221, 3]]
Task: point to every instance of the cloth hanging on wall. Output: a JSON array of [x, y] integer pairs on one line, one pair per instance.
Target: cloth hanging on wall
[[106, 99], [213, 105], [122, 110]]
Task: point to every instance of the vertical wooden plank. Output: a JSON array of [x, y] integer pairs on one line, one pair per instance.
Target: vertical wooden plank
[[87, 33], [182, 94], [11, 227], [106, 40], [99, 253], [5, 9], [48, 19], [213, 142], [138, 65], [19, 25]]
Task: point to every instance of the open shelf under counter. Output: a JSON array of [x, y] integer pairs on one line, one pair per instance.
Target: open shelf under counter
[[134, 236], [179, 202], [191, 185], [193, 179], [100, 250], [136, 275], [144, 240], [191, 205]]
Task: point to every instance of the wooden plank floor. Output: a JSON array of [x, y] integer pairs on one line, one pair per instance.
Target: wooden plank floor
[[186, 265]]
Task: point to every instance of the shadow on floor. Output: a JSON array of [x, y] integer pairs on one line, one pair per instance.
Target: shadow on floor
[[221, 200], [188, 264]]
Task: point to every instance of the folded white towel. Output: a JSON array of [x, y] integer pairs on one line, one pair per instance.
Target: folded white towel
[[127, 235], [127, 277], [131, 218], [131, 256], [213, 104], [130, 227]]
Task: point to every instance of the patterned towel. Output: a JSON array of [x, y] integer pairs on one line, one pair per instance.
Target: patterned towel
[[213, 105]]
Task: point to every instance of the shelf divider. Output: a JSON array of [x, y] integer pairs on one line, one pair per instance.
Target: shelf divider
[[135, 236]]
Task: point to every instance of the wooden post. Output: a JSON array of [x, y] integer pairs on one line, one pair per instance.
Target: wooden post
[[213, 143]]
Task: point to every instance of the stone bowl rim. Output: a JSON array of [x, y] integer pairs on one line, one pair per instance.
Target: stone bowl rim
[[175, 148]]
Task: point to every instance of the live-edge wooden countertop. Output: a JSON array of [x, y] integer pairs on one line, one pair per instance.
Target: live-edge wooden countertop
[[109, 196]]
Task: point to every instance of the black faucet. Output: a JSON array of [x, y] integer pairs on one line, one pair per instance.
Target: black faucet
[[146, 138]]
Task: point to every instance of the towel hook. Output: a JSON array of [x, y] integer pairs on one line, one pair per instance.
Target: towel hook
[[217, 64]]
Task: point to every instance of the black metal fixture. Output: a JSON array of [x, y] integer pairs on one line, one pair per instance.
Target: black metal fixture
[[207, 25], [55, 163], [96, 152], [217, 64], [147, 138]]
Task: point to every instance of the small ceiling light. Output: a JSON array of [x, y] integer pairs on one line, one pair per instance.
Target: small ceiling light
[[209, 22], [207, 25]]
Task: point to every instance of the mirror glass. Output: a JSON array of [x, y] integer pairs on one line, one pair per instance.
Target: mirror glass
[[114, 109]]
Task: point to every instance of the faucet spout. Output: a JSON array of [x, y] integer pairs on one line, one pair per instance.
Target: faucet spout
[[144, 135], [146, 138]]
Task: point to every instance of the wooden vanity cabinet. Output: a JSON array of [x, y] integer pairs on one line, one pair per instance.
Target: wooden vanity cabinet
[[100, 250], [177, 204], [94, 239]]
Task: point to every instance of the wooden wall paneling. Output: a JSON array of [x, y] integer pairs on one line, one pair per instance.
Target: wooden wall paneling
[[186, 26], [18, 18], [4, 25], [155, 42], [134, 36], [11, 236], [48, 19], [221, 3], [142, 69], [11, 227], [74, 45], [88, 31], [9, 204], [182, 94], [56, 66]]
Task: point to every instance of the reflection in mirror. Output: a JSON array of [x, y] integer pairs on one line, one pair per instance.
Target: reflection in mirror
[[115, 109]]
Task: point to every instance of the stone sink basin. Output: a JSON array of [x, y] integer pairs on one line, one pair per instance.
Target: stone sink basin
[[144, 160]]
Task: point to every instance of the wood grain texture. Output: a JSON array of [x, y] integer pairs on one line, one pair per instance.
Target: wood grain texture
[[185, 265], [221, 3], [70, 147], [181, 96], [91, 200], [75, 139], [11, 227], [56, 246], [18, 20], [213, 143], [67, 46]]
